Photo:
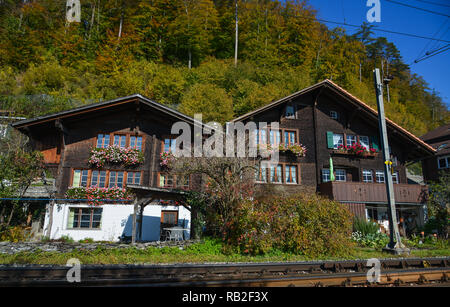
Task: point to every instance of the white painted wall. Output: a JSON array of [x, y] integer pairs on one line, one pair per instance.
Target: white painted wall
[[116, 220]]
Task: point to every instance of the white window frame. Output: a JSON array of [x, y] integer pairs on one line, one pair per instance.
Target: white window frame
[[447, 162], [364, 141], [340, 175], [353, 139], [380, 174], [326, 175], [365, 173], [338, 139]]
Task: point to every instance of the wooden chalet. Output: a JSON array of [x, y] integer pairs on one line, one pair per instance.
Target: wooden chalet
[[324, 118]]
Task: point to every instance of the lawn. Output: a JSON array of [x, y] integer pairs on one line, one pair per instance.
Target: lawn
[[205, 252]]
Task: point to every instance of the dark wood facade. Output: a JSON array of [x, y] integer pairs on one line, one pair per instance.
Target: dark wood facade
[[66, 139], [433, 167], [326, 109]]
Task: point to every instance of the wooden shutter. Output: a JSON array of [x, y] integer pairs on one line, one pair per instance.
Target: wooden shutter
[[330, 139]]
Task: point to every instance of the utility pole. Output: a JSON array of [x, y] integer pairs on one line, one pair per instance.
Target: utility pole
[[236, 39], [395, 245]]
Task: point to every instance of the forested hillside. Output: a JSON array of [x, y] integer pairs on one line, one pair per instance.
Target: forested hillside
[[181, 53]]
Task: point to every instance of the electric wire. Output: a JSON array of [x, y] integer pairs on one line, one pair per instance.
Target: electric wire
[[418, 8]]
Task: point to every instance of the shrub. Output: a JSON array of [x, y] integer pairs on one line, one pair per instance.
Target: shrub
[[66, 239], [300, 224], [15, 234], [375, 240], [87, 240], [364, 226]]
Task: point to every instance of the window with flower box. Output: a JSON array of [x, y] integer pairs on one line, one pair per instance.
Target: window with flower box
[[275, 137], [364, 141], [116, 179], [261, 136], [170, 145], [120, 140], [136, 142], [351, 140], [86, 218], [98, 179], [80, 178], [290, 137], [102, 140]]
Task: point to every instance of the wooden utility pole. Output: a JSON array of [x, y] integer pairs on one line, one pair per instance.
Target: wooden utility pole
[[395, 245], [236, 39]]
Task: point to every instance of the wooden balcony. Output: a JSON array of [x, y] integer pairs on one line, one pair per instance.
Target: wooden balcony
[[362, 192]]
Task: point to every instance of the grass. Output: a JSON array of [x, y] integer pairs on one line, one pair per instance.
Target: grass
[[208, 251]]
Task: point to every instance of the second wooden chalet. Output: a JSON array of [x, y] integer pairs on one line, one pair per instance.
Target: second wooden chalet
[[339, 129]]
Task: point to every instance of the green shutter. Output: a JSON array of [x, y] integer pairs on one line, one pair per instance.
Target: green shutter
[[375, 143], [330, 139]]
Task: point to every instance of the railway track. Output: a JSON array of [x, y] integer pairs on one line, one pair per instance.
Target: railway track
[[397, 272]]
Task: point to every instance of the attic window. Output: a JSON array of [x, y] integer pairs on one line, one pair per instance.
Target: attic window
[[290, 112], [334, 115]]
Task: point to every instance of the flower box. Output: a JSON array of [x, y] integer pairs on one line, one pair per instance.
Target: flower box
[[296, 149], [98, 196], [115, 155], [356, 150], [167, 159]]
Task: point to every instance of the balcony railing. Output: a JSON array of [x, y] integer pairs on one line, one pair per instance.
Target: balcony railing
[[362, 192]]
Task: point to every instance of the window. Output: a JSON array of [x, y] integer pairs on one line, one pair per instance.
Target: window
[[444, 162], [120, 140], [351, 140], [183, 182], [334, 114], [289, 137], [84, 218], [276, 173], [379, 176], [261, 136], [169, 217], [98, 179], [115, 179], [364, 141], [80, 178], [338, 139], [275, 137], [395, 177], [367, 176], [261, 174], [134, 178], [102, 140], [291, 173], [136, 142], [326, 175], [166, 181], [340, 175], [170, 145], [290, 112]]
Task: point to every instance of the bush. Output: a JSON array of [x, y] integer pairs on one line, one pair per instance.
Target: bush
[[364, 226], [66, 239], [87, 240], [15, 234], [375, 240], [301, 224]]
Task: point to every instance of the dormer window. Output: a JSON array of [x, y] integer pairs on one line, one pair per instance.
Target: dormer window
[[290, 111], [334, 115]]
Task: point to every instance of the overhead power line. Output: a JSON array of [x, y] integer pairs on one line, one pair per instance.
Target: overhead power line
[[418, 8], [433, 53], [434, 3]]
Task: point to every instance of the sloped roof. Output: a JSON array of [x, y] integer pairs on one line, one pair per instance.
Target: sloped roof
[[364, 106], [102, 105], [437, 133]]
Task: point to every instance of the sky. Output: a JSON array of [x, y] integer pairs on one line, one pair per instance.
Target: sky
[[394, 17]]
